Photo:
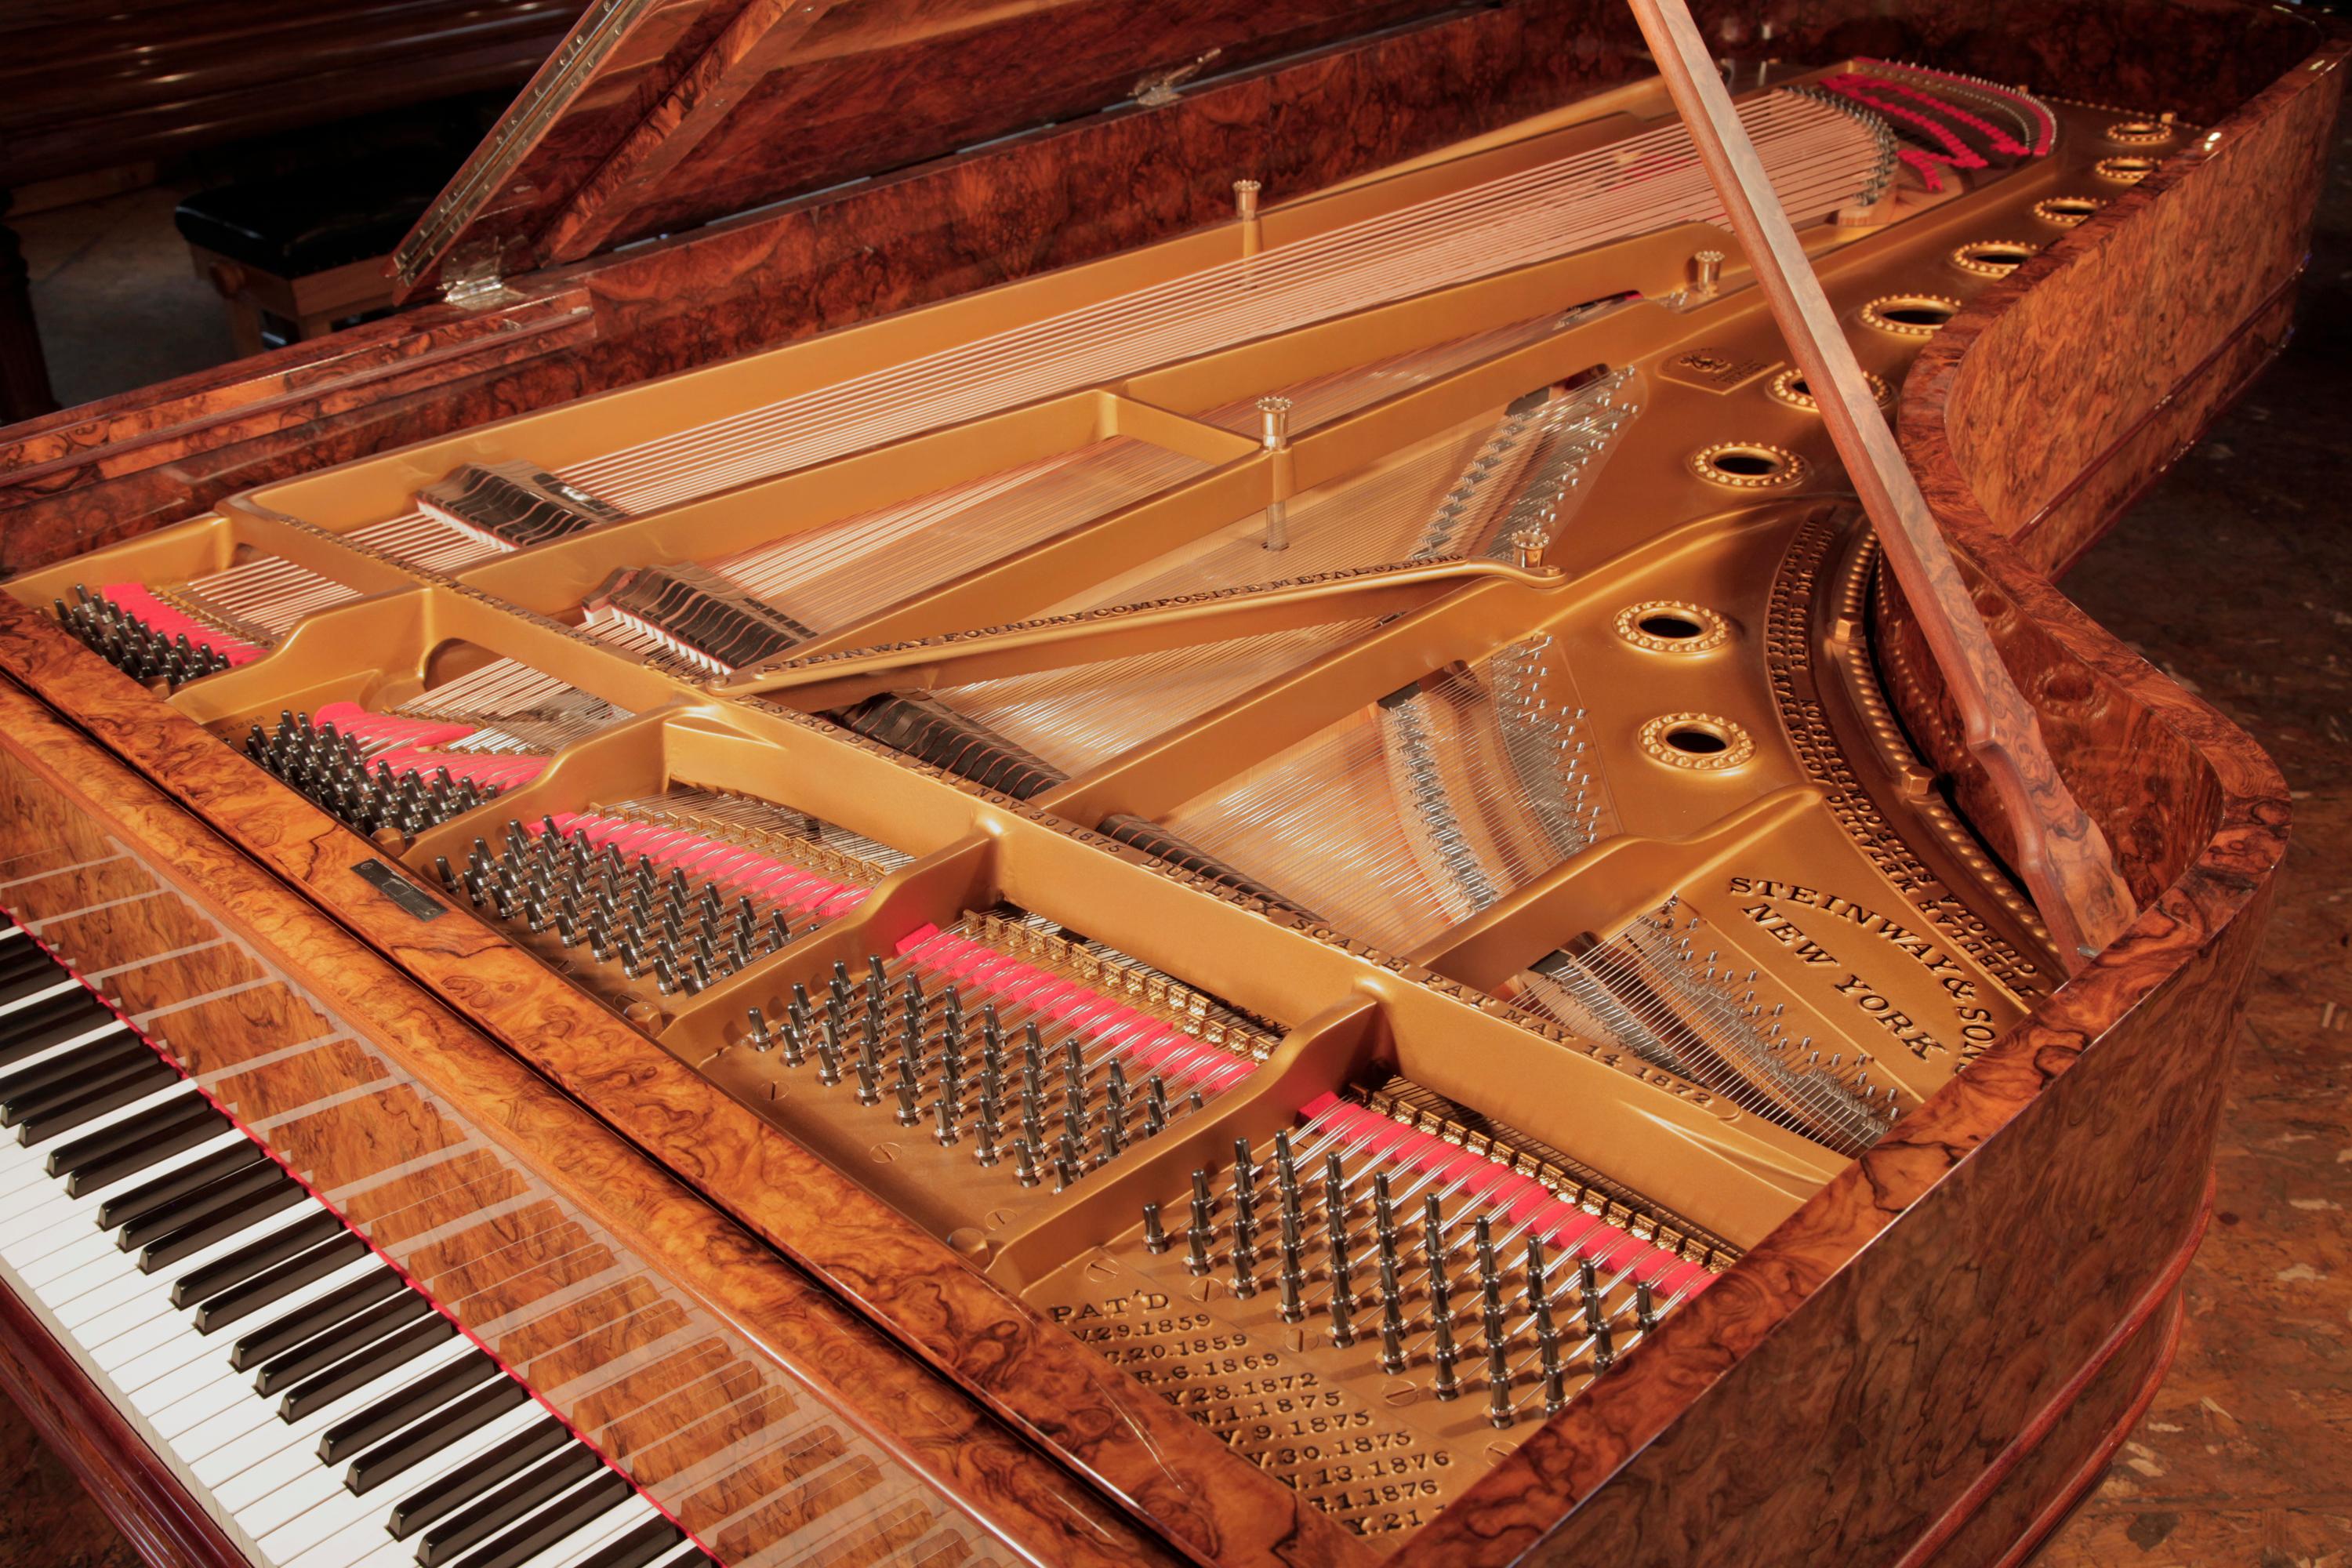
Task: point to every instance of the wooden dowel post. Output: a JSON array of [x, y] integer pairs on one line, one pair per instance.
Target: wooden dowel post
[[2064, 858]]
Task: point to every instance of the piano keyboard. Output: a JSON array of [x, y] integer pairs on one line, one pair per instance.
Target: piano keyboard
[[359, 1331], [321, 1399]]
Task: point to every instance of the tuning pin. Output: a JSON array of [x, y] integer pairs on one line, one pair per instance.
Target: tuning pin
[[1392, 1268], [1024, 1160], [1199, 1236], [943, 1113], [1645, 1306], [1342, 1306], [1443, 1351], [1291, 1281], [760, 1040], [1155, 1235], [1490, 1282], [1392, 1358], [1433, 1241], [1499, 1385]]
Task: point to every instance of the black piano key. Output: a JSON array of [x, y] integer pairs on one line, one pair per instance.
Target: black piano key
[[340, 1340], [220, 1224], [27, 963], [382, 1359], [143, 1200], [313, 1318], [272, 1285], [238, 1184], [462, 1486], [66, 1064], [388, 1461], [40, 998], [32, 980], [61, 1117], [228, 1273], [573, 1511], [510, 1506], [119, 1152], [63, 1076], [403, 1407], [649, 1542], [51, 1021]]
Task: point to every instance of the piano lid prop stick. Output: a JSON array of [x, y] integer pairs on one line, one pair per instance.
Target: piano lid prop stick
[[2065, 859]]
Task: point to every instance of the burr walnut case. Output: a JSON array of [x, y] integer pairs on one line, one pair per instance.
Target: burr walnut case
[[961, 827]]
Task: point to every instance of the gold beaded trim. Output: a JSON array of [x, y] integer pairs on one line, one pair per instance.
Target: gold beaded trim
[[2138, 132], [2125, 171], [1874, 314], [1993, 258], [1713, 631], [2068, 211], [1738, 746], [1784, 388], [1780, 468]]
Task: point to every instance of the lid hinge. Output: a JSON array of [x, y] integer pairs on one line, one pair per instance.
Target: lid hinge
[[470, 278], [1159, 88]]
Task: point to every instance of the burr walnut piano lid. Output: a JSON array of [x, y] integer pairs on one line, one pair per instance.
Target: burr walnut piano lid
[[661, 115]]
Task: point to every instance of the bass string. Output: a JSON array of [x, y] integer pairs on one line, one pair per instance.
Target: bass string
[[1818, 150], [1079, 717], [1620, 167], [1321, 399], [838, 574], [1815, 151], [268, 594]]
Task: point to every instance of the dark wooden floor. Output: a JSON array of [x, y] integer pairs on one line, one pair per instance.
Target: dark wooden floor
[[2245, 1458], [2246, 1454]]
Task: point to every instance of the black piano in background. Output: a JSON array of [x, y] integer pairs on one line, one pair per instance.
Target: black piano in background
[[91, 85]]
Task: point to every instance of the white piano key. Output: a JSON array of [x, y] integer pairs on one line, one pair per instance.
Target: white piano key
[[332, 1509], [367, 1538], [35, 1156], [102, 1291], [134, 1358], [247, 1488], [48, 1262], [28, 1165], [253, 1430], [67, 1211]]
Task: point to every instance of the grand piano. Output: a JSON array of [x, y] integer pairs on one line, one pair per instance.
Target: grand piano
[[1056, 784]]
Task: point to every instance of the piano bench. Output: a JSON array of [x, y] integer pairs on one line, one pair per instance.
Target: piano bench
[[296, 257]]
